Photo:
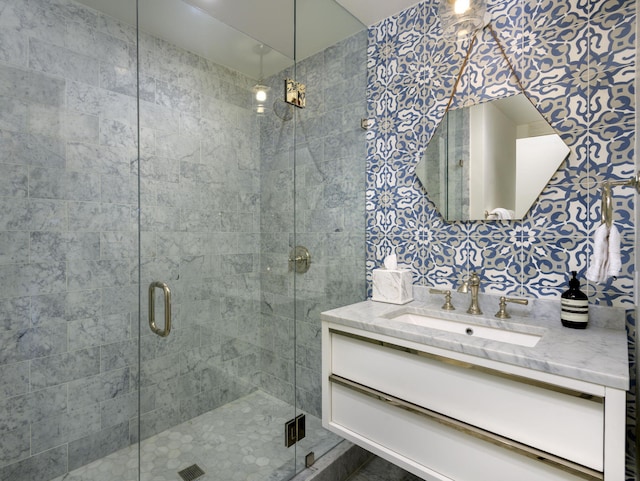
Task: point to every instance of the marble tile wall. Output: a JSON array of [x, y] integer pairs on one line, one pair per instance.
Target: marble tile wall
[[69, 236], [325, 190]]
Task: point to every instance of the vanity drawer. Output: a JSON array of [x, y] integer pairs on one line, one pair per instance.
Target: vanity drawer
[[551, 419], [429, 448]]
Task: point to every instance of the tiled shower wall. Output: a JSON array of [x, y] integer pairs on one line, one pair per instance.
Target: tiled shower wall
[[69, 236], [329, 148]]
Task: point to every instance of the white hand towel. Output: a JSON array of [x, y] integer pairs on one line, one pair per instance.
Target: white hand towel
[[501, 214], [615, 262], [598, 265]]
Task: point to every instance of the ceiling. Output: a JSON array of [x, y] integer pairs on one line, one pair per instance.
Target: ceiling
[[230, 31]]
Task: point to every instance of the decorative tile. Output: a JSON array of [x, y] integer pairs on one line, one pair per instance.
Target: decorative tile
[[576, 61]]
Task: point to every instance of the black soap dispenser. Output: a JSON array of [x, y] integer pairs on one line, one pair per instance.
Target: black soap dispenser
[[575, 305]]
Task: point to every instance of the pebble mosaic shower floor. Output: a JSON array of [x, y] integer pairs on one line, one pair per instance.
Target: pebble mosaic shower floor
[[240, 441]]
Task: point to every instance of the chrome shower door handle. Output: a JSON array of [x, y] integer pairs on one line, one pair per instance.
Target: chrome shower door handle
[[167, 309]]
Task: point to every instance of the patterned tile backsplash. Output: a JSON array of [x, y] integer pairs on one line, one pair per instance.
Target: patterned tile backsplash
[[576, 61]]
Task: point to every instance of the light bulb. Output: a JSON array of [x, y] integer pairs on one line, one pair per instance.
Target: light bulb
[[261, 95], [461, 6]]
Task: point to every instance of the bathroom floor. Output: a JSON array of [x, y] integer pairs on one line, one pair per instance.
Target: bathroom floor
[[240, 441], [380, 470]]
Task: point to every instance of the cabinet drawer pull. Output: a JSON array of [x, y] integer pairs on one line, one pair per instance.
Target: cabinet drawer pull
[[576, 469], [473, 367]]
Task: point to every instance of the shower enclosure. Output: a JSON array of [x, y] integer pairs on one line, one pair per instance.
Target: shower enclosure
[[141, 187]]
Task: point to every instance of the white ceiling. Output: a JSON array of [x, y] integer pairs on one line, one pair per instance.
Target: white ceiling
[[229, 31], [370, 12]]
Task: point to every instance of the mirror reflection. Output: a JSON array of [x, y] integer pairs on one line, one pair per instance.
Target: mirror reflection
[[490, 161]]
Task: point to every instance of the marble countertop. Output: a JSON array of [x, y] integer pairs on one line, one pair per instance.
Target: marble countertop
[[596, 354]]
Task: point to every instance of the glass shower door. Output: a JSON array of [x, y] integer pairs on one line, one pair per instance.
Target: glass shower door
[[215, 391], [329, 155], [68, 240]]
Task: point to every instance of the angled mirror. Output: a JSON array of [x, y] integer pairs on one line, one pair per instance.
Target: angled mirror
[[490, 161]]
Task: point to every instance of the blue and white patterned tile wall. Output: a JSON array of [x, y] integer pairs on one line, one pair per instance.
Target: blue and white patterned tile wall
[[576, 61]]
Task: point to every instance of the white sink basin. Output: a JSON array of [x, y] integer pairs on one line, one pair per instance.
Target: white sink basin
[[459, 327]]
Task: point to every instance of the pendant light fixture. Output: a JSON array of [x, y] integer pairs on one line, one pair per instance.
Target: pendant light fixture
[[260, 92], [461, 18]]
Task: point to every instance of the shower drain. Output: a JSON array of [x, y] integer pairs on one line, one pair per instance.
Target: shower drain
[[192, 472]]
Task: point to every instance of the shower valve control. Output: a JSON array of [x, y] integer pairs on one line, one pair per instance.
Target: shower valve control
[[299, 259]]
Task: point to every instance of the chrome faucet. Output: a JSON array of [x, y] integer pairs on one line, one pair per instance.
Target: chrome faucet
[[473, 284]]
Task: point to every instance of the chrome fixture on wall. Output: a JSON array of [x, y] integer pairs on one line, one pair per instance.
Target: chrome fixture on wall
[[295, 93], [299, 259]]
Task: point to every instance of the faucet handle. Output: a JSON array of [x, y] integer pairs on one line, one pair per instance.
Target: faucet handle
[[447, 306], [502, 313]]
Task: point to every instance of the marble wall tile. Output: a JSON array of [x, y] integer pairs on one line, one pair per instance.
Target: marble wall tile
[[118, 355], [61, 368], [82, 304], [32, 407], [83, 274], [23, 344], [46, 465], [14, 181], [87, 40], [47, 309], [33, 278], [14, 379], [14, 247], [47, 184], [97, 445], [63, 246], [61, 62], [68, 125], [14, 47], [121, 409], [97, 217], [95, 389], [99, 159], [14, 114], [14, 445], [114, 133], [159, 117], [72, 425], [32, 149], [34, 87], [98, 331], [107, 104]]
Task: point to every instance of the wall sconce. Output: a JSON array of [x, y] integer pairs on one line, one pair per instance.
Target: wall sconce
[[260, 92], [461, 18]]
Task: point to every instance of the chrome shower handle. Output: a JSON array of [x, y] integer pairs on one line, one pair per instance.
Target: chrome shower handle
[[167, 309]]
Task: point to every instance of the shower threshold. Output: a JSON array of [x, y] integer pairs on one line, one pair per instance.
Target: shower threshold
[[240, 441]]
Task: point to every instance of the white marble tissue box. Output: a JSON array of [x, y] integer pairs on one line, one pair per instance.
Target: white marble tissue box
[[394, 286]]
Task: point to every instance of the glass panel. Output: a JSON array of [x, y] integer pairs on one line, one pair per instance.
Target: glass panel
[[209, 209], [329, 170], [68, 240], [215, 392]]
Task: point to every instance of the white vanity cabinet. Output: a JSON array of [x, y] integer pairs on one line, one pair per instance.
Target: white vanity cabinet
[[446, 415]]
